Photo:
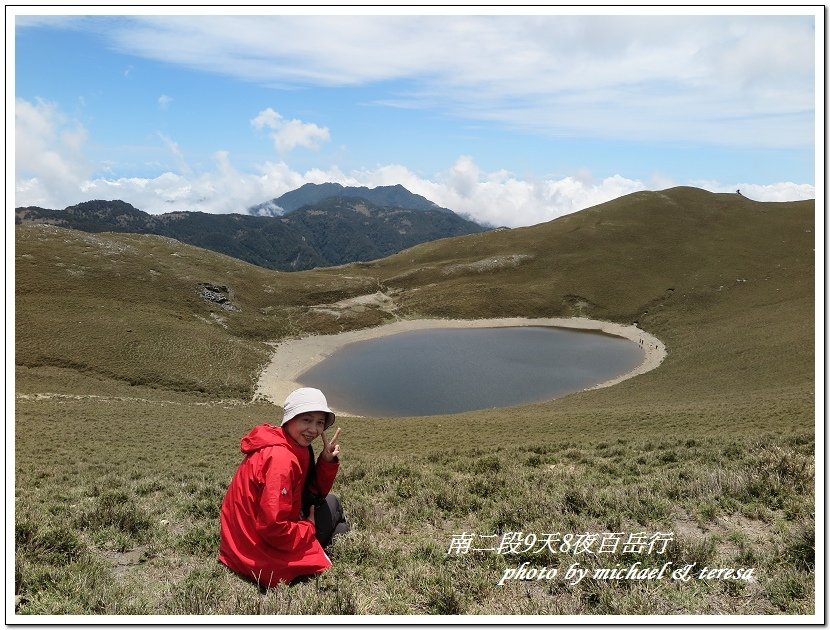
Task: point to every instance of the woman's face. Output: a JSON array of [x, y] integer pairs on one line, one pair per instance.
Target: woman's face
[[305, 427]]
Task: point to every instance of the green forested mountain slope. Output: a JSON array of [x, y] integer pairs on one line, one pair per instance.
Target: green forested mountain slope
[[331, 231]]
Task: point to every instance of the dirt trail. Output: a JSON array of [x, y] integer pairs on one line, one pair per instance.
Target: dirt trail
[[95, 397]]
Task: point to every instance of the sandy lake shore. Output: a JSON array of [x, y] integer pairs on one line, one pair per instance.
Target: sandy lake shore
[[292, 357]]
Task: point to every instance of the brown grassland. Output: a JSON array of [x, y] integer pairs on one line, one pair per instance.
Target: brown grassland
[[132, 392]]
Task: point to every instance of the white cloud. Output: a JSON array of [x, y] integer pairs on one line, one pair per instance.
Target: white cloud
[[177, 153], [784, 191], [716, 79], [499, 198], [781, 191], [49, 159], [464, 176], [164, 101], [267, 118], [299, 134], [290, 134]]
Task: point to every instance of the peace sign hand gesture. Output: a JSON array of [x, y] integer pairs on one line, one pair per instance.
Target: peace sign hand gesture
[[331, 449]]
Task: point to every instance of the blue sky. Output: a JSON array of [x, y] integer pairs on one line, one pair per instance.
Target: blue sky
[[510, 119]]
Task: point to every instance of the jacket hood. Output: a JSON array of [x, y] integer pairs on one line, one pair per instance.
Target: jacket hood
[[264, 435]]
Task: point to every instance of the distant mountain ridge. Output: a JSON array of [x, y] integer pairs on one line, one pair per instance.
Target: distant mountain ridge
[[309, 194], [332, 231]]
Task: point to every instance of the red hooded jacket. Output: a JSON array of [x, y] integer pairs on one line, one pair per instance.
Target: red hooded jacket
[[261, 535]]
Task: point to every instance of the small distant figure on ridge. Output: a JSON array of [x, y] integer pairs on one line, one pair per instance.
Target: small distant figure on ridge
[[739, 192]]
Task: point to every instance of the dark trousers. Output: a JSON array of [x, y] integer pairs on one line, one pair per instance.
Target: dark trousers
[[328, 520]]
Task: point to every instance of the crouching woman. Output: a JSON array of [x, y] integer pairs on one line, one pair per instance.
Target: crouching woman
[[277, 515]]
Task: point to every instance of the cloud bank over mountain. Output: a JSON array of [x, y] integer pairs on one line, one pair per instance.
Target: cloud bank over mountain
[[50, 145]]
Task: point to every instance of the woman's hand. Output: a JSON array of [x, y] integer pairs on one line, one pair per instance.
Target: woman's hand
[[331, 449]]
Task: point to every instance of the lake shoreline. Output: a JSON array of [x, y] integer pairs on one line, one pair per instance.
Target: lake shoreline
[[292, 357]]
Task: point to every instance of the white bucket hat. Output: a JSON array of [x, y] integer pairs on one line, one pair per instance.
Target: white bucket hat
[[304, 400]]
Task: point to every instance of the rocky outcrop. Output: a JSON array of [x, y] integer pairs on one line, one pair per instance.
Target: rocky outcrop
[[217, 294]]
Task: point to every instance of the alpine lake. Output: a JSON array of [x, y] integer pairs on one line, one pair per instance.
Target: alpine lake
[[451, 370]]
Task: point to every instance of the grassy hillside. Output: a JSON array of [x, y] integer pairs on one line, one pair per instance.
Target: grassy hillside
[[133, 391]]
